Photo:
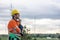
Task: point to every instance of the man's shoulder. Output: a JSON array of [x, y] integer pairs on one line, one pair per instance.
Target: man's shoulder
[[12, 20]]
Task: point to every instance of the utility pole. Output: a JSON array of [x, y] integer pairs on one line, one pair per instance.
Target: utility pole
[[34, 27], [11, 6]]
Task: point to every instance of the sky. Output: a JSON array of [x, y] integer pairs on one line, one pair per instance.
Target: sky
[[40, 16]]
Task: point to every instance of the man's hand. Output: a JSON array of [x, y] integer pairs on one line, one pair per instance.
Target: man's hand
[[21, 34]]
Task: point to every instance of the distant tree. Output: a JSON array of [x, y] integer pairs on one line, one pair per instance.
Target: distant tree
[[0, 38], [34, 39]]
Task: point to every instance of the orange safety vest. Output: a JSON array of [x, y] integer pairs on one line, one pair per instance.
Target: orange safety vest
[[13, 25]]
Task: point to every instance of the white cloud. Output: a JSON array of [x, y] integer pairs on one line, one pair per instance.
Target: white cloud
[[3, 28], [42, 25]]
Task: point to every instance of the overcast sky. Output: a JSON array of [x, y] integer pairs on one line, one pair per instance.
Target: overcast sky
[[41, 15]]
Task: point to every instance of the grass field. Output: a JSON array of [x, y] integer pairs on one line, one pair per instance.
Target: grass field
[[6, 38]]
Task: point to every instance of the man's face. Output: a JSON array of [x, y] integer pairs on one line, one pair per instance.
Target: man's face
[[16, 16]]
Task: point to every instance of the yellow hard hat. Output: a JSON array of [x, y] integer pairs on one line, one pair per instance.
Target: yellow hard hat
[[14, 12]]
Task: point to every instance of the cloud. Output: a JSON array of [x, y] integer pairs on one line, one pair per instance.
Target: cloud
[[37, 25], [33, 8], [3, 28], [42, 25]]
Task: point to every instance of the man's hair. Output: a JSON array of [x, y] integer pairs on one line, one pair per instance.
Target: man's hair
[[12, 17]]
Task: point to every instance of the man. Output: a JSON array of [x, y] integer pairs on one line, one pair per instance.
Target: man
[[14, 23]]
